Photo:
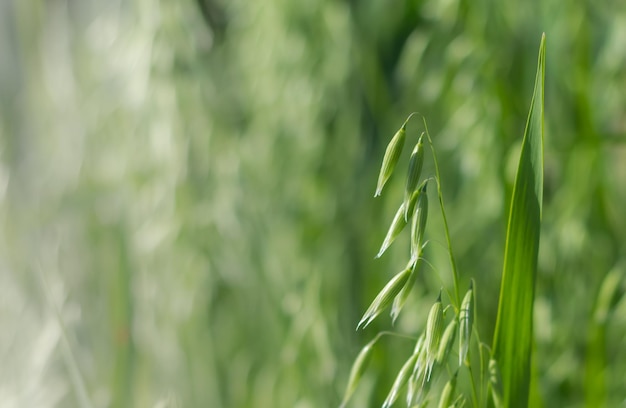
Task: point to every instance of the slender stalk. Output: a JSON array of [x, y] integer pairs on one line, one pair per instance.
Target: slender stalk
[[481, 356], [474, 395], [394, 334], [483, 381], [438, 277], [455, 275]]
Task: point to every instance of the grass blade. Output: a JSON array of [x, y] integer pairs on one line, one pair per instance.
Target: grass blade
[[514, 326], [596, 356]]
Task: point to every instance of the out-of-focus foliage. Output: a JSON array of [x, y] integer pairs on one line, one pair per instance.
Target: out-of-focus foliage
[[186, 191]]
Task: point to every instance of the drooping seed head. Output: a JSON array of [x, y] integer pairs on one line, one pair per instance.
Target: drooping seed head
[[466, 320], [416, 388], [446, 342], [385, 297], [418, 224], [392, 155], [401, 379], [357, 370], [418, 369], [434, 330], [448, 392], [397, 225], [400, 299], [416, 162], [411, 390], [424, 384]]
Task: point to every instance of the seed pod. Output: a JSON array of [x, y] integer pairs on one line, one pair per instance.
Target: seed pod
[[448, 392], [400, 299], [401, 380], [466, 319], [384, 298], [495, 383], [392, 155], [416, 163], [434, 329], [418, 224], [357, 370], [446, 342], [398, 224]]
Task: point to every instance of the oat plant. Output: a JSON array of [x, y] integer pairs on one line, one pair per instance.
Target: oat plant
[[430, 375]]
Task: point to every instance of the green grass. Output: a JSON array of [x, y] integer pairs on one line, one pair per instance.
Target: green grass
[[513, 339], [510, 358]]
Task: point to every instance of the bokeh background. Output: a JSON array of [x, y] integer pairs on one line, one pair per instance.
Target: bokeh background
[[186, 192]]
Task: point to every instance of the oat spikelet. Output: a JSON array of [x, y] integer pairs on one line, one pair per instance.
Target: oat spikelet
[[418, 224], [391, 157], [357, 370], [416, 162], [385, 297], [434, 330], [466, 320]]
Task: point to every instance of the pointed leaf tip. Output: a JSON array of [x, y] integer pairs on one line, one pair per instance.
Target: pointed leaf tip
[[513, 337]]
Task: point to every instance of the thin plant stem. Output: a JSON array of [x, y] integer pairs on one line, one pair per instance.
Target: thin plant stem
[[455, 274], [474, 395], [393, 334], [476, 334], [483, 367], [438, 276]]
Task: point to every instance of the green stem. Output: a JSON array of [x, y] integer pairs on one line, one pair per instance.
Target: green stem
[[479, 343], [474, 395], [393, 334], [455, 274], [438, 276], [482, 375]]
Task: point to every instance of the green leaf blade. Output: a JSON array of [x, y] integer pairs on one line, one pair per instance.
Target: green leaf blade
[[514, 326]]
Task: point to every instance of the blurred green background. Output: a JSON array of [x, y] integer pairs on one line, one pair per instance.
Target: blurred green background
[[186, 192]]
